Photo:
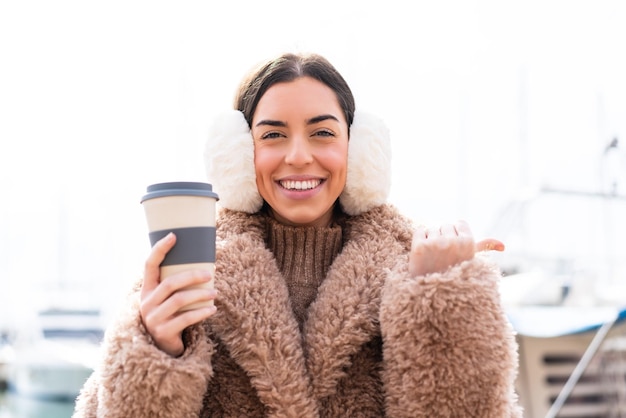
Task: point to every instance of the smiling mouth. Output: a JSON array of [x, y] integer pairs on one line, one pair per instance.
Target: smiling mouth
[[300, 185]]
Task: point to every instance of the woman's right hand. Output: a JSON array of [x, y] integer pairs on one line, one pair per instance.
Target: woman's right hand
[[161, 301]]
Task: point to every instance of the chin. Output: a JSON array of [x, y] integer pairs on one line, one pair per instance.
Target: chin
[[304, 219]]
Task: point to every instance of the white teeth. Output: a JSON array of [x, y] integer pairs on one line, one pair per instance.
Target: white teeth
[[300, 185]]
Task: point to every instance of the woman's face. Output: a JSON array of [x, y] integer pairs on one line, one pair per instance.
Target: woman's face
[[300, 151]]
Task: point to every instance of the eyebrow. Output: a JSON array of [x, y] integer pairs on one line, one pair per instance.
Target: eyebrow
[[312, 121], [321, 118]]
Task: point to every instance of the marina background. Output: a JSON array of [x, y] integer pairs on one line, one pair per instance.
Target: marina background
[[500, 113]]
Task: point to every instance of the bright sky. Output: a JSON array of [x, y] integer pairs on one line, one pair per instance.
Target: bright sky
[[100, 99]]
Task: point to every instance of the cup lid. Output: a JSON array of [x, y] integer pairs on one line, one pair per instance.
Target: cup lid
[[178, 188]]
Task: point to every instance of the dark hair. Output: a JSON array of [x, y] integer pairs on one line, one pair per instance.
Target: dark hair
[[289, 67]]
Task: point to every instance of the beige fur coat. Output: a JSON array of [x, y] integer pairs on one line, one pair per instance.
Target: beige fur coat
[[440, 344]]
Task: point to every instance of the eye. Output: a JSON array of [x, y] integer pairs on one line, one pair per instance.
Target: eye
[[324, 133], [271, 135]]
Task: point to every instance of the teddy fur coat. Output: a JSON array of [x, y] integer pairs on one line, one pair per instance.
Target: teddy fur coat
[[376, 342]]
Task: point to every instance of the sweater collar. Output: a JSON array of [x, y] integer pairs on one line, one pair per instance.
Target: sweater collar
[[303, 255], [290, 369]]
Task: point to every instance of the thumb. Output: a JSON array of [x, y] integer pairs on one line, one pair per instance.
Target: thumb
[[152, 272], [489, 244]]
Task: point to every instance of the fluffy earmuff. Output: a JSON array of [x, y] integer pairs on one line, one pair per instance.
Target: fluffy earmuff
[[229, 162], [369, 165]]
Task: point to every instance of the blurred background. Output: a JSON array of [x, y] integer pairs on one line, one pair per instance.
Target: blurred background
[[511, 115]]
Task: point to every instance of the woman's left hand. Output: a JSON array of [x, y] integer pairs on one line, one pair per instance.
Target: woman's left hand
[[434, 250]]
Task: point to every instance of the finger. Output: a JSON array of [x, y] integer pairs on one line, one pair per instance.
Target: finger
[[193, 316], [164, 311], [433, 232], [173, 284], [191, 298], [174, 305], [419, 235], [489, 244], [463, 228], [448, 230], [152, 267], [420, 232], [167, 330]]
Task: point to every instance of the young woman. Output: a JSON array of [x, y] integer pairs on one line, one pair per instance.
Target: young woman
[[328, 302]]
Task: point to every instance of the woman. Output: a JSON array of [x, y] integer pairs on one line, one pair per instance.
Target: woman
[[328, 302]]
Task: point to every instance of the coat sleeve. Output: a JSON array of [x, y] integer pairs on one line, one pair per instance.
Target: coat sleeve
[[136, 379], [449, 350]]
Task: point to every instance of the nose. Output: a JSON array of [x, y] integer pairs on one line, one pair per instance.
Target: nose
[[299, 151]]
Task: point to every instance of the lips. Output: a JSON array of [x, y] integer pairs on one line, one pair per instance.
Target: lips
[[300, 184]]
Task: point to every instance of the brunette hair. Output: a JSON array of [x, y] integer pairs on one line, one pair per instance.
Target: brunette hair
[[289, 67]]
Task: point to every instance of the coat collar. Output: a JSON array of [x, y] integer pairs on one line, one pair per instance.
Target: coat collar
[[292, 370]]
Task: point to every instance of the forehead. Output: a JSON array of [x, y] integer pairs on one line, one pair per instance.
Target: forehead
[[302, 98]]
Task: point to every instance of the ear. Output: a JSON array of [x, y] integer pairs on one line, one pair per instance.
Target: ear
[[229, 163], [369, 165]]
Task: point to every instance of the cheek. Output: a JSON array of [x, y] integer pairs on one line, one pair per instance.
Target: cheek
[[261, 172], [335, 162], [262, 163], [338, 161]]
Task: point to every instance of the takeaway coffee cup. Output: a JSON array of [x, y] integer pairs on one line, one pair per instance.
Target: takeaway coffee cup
[[188, 210]]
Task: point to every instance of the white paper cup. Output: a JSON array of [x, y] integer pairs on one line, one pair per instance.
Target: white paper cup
[[188, 210]]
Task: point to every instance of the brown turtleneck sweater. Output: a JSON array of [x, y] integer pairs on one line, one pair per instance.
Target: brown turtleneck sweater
[[304, 255]]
